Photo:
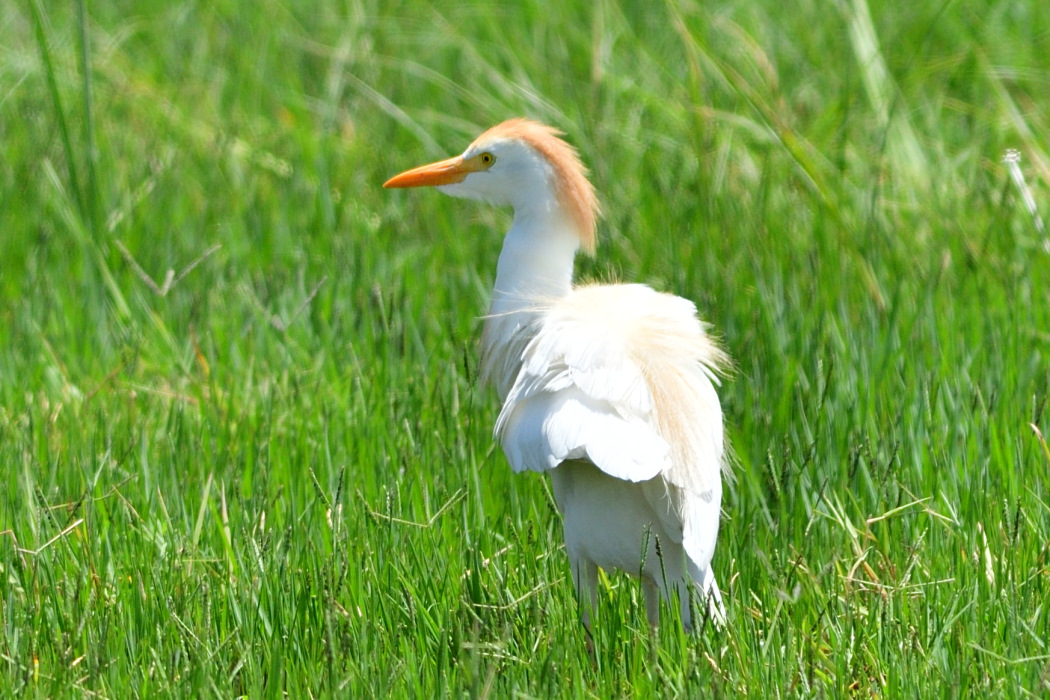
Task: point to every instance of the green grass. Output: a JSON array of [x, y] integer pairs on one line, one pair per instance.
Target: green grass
[[273, 474]]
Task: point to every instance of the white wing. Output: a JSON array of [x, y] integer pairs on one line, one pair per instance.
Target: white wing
[[557, 411], [605, 378]]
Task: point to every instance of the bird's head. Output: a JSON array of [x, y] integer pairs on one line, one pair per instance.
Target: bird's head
[[520, 163]]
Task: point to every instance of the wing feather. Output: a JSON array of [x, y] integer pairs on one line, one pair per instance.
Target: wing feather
[[545, 430], [610, 375]]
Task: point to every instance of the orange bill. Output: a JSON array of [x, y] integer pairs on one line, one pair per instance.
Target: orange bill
[[445, 172]]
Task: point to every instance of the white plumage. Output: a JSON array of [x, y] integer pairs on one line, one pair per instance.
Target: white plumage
[[610, 388]]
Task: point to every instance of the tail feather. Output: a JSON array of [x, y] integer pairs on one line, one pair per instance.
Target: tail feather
[[709, 594]]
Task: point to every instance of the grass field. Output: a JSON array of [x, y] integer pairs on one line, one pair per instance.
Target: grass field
[[241, 444]]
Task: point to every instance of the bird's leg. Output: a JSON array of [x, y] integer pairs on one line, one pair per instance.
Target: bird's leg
[[667, 587], [655, 592], [685, 600], [589, 642], [585, 578]]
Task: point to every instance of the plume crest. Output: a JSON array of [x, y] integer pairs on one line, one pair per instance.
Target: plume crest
[[575, 191]]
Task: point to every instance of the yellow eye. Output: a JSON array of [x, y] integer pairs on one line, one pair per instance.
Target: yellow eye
[[487, 158]]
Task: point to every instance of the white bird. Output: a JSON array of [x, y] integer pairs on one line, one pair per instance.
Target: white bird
[[608, 387]]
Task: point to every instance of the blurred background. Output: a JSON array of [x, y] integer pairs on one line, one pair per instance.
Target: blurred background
[[239, 425]]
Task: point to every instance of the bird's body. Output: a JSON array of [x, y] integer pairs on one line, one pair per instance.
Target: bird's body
[[610, 388]]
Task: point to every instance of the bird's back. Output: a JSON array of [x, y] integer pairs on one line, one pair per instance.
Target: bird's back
[[610, 362], [615, 393]]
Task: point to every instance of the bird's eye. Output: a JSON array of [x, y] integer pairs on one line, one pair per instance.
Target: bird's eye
[[487, 158]]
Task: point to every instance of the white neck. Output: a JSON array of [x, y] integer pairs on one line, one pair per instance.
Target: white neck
[[535, 264], [534, 270]]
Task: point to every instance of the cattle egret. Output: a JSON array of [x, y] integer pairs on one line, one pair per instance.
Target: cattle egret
[[608, 387]]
